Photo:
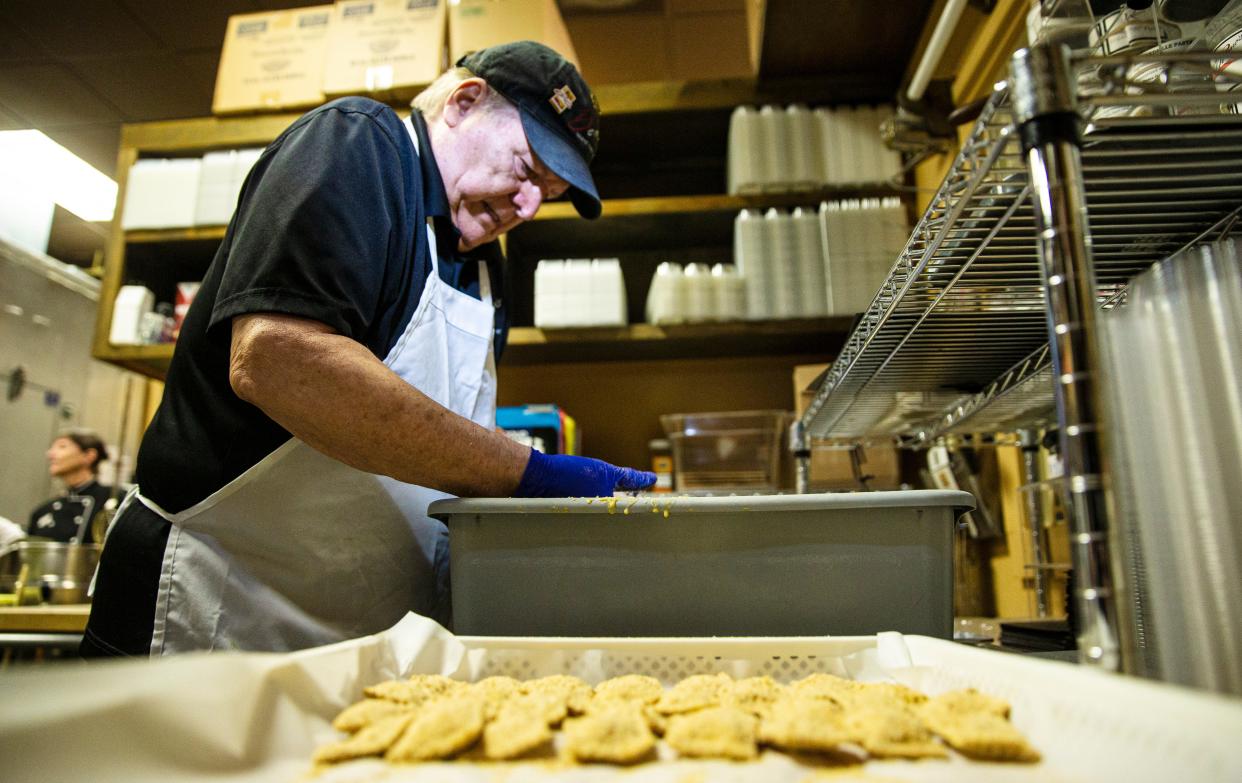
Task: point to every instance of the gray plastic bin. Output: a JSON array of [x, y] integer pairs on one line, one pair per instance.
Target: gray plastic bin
[[783, 565]]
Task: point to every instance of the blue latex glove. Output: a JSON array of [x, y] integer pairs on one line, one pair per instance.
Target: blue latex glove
[[566, 476]]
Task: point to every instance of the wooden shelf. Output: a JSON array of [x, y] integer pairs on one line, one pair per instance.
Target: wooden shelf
[[70, 618], [529, 345], [613, 208]]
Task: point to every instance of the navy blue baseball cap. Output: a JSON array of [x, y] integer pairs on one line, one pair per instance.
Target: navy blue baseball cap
[[559, 112]]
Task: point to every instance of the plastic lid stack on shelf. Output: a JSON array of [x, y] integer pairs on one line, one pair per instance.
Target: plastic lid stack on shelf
[[220, 184], [161, 193], [579, 292]]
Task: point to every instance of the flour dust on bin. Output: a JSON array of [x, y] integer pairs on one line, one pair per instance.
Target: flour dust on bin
[[779, 565]]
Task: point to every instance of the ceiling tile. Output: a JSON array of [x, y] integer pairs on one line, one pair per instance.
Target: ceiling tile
[[147, 87], [70, 29], [188, 25], [201, 65], [14, 45], [97, 144], [49, 95], [10, 121]]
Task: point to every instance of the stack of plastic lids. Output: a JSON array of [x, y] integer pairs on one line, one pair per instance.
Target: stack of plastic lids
[[786, 298], [220, 184], [579, 292], [696, 293], [862, 240], [796, 149], [745, 151], [803, 264], [161, 193], [812, 264], [802, 138], [1173, 372], [752, 257]]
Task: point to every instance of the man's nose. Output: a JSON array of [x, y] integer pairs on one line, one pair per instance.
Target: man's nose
[[528, 199]]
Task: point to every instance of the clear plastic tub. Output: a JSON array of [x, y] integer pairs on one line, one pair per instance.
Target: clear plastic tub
[[736, 450]]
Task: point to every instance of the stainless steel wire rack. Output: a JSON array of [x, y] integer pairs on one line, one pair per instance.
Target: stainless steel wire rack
[[956, 340]]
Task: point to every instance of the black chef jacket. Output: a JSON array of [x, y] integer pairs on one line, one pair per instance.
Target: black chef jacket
[[62, 517]]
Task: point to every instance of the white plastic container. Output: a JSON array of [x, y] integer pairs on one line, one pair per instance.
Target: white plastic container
[[804, 147], [832, 147], [132, 303], [662, 296], [700, 303], [751, 257], [161, 193], [607, 294], [776, 174], [729, 290], [809, 255], [786, 298], [550, 308], [745, 151]]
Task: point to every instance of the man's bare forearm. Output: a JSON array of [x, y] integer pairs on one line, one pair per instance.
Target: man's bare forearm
[[335, 395]]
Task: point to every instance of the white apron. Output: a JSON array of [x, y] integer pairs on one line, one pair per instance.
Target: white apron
[[302, 550]]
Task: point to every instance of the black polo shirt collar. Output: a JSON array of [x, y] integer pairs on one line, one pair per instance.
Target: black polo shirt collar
[[435, 197]]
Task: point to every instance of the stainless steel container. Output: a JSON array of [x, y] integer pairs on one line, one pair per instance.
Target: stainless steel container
[[65, 569]]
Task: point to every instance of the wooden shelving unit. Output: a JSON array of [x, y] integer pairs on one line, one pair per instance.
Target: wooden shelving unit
[[680, 224]]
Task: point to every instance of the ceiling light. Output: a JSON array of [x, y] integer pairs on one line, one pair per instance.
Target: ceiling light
[[32, 163]]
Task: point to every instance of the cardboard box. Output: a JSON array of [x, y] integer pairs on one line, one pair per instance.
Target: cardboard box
[[621, 48], [273, 60], [709, 46], [388, 49], [832, 469], [477, 24]]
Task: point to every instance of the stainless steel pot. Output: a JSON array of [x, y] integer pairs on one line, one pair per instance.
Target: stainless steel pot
[[66, 568]]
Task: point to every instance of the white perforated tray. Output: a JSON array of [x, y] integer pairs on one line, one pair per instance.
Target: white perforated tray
[[255, 717]]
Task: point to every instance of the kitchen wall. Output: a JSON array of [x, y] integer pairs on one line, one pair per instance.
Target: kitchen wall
[[47, 320]]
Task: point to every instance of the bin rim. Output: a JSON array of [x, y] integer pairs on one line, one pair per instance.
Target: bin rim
[[631, 505]]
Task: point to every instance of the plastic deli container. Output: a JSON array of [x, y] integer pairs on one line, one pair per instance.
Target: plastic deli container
[[729, 451], [777, 565]]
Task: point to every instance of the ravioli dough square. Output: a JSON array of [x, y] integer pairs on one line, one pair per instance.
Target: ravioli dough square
[[981, 735], [575, 693], [824, 686], [892, 732], [370, 741], [805, 724], [968, 700], [716, 732], [631, 687], [515, 732], [442, 729], [755, 695], [616, 734], [495, 691], [358, 716], [697, 692]]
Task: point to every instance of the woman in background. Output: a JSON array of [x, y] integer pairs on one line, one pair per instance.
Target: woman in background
[[73, 459]]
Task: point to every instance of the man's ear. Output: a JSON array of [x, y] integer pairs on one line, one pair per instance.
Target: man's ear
[[465, 98]]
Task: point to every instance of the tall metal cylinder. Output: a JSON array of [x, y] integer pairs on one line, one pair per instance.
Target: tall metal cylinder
[[1048, 125]]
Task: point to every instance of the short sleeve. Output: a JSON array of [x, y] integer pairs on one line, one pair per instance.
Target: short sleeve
[[314, 229]]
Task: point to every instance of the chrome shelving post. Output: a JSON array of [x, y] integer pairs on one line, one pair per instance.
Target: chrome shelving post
[[1041, 86]]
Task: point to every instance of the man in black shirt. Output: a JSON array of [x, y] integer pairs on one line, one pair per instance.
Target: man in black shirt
[[336, 371]]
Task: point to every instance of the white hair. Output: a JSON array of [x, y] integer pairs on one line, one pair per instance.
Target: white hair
[[433, 97]]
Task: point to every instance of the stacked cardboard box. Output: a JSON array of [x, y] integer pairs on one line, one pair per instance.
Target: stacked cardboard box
[[387, 49], [831, 469], [272, 60]]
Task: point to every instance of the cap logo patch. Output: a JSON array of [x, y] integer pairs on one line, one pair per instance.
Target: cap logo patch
[[562, 98]]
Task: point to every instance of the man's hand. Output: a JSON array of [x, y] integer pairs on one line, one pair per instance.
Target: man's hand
[[565, 476]]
